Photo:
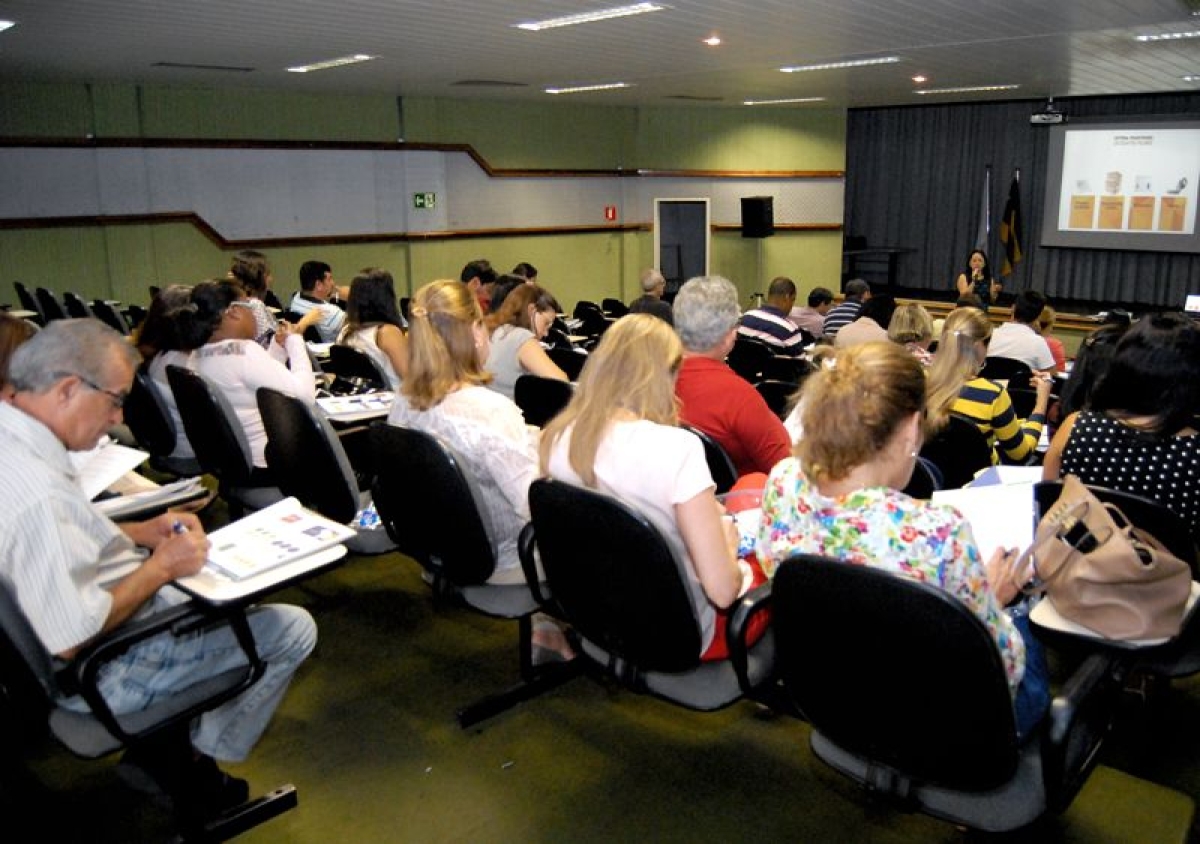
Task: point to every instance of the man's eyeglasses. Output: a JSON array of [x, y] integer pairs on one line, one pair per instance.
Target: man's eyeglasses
[[117, 399]]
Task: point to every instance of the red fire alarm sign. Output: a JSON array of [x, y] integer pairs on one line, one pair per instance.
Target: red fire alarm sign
[[610, 212]]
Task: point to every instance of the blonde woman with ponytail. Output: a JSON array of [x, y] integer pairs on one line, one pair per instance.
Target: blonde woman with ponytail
[[839, 497], [956, 388]]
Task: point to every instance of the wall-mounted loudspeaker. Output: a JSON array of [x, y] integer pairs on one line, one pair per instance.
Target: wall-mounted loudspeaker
[[758, 216]]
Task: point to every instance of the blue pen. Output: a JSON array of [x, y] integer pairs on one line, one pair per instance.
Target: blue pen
[[179, 527]]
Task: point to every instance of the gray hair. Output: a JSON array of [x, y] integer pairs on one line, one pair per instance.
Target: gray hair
[[82, 347], [651, 279], [856, 287], [706, 308]]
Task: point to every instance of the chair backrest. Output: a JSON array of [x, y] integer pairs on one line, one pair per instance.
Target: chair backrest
[[148, 418], [428, 504], [106, 312], [540, 399], [720, 464], [614, 577], [777, 394], [568, 360], [28, 301], [592, 318], [958, 450], [348, 362], [614, 308], [76, 307], [50, 306], [861, 650], [306, 457], [1165, 525], [924, 481], [749, 358], [1016, 372], [786, 368], [212, 428]]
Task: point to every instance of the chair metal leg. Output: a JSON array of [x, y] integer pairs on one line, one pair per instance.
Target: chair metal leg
[[237, 820]]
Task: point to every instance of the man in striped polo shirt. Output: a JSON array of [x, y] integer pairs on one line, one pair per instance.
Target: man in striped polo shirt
[[770, 324]]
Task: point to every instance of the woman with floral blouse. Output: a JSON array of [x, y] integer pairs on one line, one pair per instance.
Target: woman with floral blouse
[[839, 497]]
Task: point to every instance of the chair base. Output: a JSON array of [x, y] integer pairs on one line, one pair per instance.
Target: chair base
[[546, 678], [241, 818]]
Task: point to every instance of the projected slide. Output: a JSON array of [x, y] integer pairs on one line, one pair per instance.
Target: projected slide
[[1124, 186]]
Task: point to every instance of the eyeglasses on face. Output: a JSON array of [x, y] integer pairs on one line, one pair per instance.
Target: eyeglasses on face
[[118, 399]]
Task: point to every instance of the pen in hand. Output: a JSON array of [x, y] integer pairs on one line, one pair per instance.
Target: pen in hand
[[178, 527]]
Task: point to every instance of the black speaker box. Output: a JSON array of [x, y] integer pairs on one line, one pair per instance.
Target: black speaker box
[[758, 216]]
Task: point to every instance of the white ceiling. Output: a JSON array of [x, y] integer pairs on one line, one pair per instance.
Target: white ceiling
[[1053, 48]]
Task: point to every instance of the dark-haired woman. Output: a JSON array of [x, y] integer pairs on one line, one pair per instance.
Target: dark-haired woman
[[374, 325], [977, 278], [1139, 433]]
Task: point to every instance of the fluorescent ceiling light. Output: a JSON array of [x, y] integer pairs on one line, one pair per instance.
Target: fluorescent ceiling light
[[328, 63], [592, 17], [7, 25], [837, 65], [972, 90], [1191, 78], [583, 89], [785, 102], [1169, 36]]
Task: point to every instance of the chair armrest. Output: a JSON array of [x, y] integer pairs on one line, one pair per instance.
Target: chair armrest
[[527, 551], [755, 601], [81, 675], [1080, 717]]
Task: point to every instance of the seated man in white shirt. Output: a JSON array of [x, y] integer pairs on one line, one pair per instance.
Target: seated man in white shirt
[[316, 287], [1019, 339]]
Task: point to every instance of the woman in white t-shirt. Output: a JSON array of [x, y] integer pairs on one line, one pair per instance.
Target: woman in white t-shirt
[[523, 319], [620, 435]]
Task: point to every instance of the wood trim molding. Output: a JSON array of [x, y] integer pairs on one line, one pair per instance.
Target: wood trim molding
[[784, 227], [467, 149]]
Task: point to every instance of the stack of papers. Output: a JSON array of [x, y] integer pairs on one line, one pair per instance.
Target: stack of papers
[[179, 492], [104, 465]]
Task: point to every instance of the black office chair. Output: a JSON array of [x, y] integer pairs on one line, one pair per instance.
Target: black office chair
[[569, 360], [51, 307], [76, 307], [428, 506], [749, 358], [593, 322], [307, 461], [614, 578], [150, 421], [959, 451], [720, 464], [614, 308], [29, 302], [108, 313], [349, 362], [785, 368], [220, 443], [33, 685], [778, 395], [540, 399], [1017, 373], [925, 480], [860, 650]]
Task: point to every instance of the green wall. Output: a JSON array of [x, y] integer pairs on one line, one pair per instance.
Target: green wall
[[121, 261]]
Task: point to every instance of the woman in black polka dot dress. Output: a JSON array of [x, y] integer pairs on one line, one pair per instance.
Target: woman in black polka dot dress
[[1140, 434]]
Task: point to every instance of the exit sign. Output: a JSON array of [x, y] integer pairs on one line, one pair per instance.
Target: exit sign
[[424, 200]]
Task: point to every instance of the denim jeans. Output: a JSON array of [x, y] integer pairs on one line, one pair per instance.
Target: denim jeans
[[166, 665], [1033, 694]]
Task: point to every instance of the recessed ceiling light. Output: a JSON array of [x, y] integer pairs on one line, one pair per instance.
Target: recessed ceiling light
[[591, 17], [836, 65], [920, 79], [784, 102], [1169, 36], [7, 25], [713, 41], [328, 63], [583, 89], [971, 90]]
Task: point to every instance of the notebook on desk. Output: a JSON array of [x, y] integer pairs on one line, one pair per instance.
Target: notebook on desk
[[272, 537]]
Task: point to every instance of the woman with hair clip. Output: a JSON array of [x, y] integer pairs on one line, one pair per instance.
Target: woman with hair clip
[[445, 394], [374, 325], [518, 326], [839, 497], [1139, 432], [221, 331], [956, 388], [620, 435]]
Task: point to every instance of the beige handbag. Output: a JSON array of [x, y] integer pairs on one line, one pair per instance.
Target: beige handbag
[[1102, 572]]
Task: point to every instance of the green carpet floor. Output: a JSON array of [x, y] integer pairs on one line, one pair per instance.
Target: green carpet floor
[[367, 735]]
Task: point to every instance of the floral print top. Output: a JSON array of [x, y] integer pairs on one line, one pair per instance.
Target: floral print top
[[881, 527]]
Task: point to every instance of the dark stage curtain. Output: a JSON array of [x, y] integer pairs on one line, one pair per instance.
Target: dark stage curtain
[[914, 178]]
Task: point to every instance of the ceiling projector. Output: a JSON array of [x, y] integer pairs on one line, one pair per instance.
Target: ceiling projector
[[1048, 116]]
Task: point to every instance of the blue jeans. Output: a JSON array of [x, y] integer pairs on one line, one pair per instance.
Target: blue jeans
[[1033, 694], [166, 665]]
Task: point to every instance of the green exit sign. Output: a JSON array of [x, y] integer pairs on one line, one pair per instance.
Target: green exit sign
[[424, 200]]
